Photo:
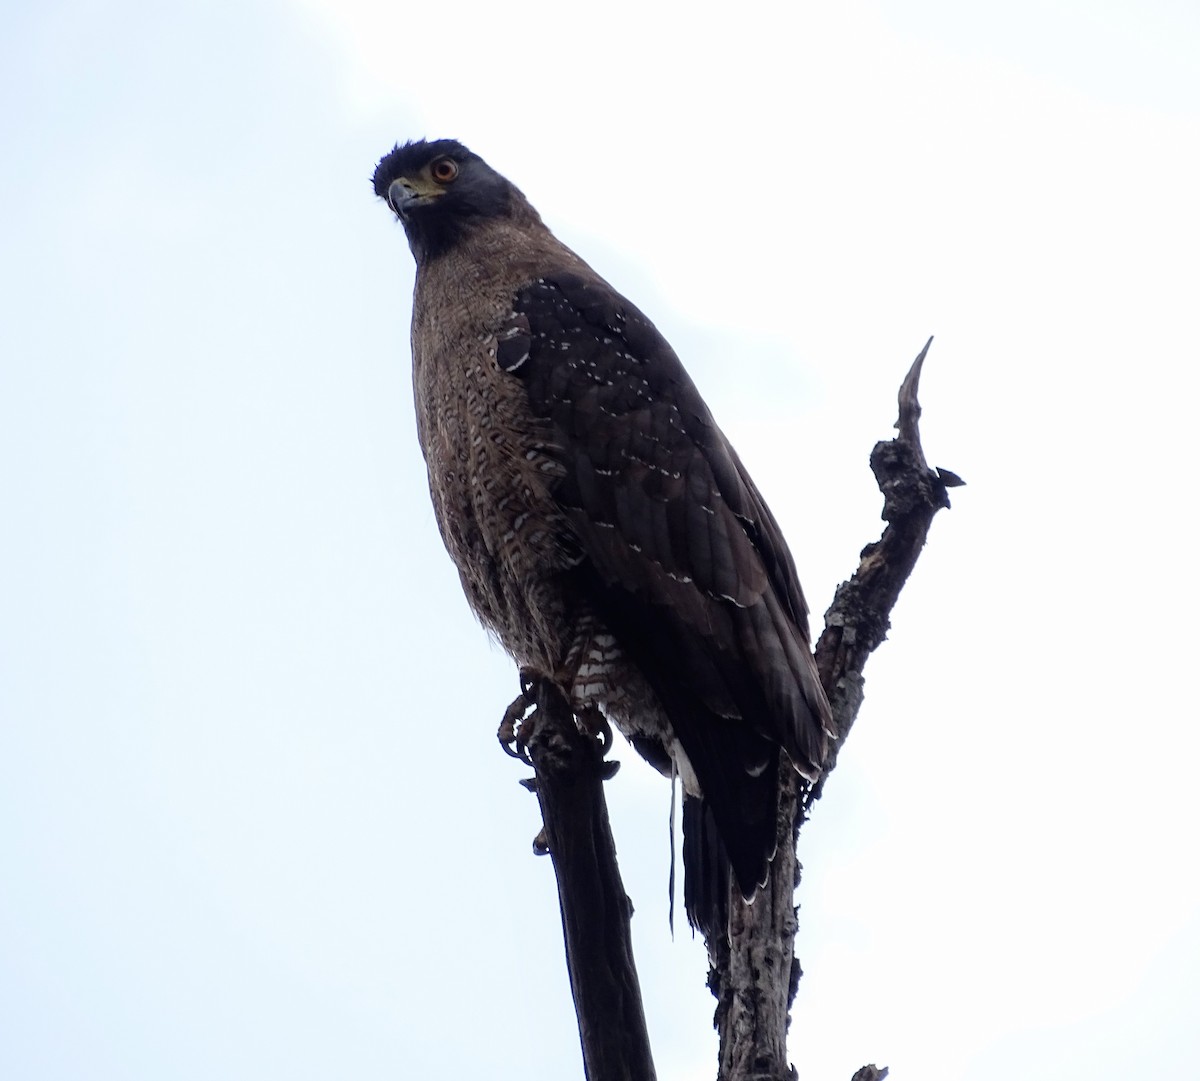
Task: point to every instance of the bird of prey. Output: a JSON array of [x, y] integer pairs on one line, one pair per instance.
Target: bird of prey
[[602, 525]]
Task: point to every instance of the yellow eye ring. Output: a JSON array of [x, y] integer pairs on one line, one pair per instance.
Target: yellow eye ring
[[444, 170]]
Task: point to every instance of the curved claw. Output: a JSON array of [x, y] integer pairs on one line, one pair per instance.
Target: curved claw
[[516, 749], [595, 724], [528, 678], [509, 732]]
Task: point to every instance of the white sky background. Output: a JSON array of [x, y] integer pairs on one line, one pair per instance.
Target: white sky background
[[253, 821]]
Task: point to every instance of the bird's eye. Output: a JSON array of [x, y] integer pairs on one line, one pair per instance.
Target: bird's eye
[[444, 170]]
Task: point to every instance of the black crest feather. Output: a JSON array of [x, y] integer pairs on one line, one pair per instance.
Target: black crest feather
[[414, 156]]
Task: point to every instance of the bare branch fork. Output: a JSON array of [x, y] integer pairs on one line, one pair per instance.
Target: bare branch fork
[[753, 971]]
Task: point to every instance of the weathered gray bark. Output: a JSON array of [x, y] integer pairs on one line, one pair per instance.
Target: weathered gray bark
[[753, 971]]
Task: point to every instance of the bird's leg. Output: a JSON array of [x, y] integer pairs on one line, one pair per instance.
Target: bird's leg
[[520, 718], [588, 715], [513, 732]]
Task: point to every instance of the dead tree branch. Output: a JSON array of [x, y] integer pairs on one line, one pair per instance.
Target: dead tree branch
[[569, 775], [754, 973], [859, 618]]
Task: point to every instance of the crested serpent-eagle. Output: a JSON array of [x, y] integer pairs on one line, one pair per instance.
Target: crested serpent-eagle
[[603, 527]]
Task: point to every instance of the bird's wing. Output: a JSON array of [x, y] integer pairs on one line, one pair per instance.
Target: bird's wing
[[684, 561]]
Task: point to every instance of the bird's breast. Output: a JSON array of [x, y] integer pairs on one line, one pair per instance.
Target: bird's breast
[[492, 473]]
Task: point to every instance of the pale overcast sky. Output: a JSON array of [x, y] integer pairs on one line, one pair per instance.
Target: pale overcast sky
[[253, 819]]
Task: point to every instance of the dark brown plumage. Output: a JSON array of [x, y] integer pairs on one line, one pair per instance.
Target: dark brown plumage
[[603, 527]]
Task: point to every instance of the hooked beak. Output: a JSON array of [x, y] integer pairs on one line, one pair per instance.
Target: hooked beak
[[404, 196], [399, 195]]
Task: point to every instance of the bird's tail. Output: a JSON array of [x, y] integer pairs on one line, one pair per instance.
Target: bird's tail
[[706, 869]]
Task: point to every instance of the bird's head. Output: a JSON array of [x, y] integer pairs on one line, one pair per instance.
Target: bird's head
[[440, 191]]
